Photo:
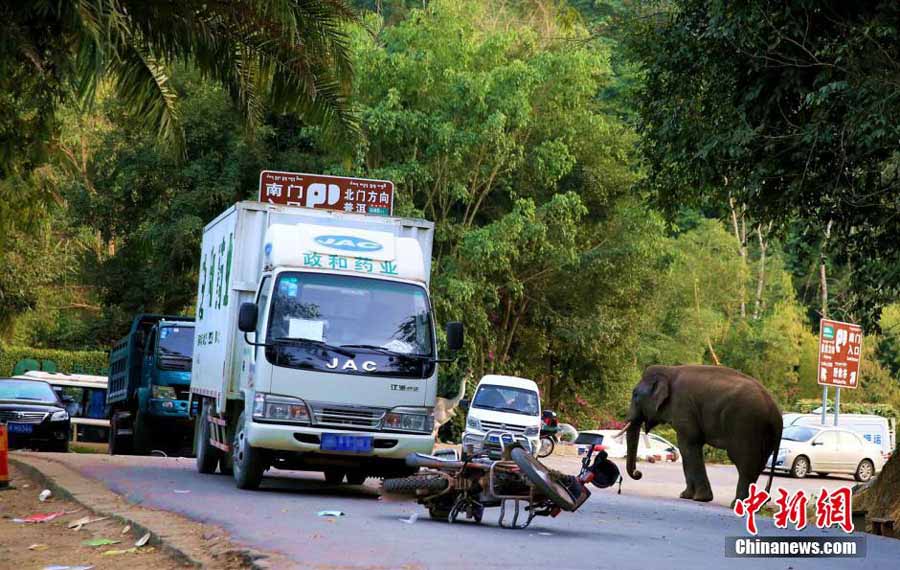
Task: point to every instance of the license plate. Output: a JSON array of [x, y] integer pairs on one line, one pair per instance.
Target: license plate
[[19, 428], [347, 443]]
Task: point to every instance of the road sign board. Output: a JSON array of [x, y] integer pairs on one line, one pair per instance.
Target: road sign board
[[840, 349], [356, 195]]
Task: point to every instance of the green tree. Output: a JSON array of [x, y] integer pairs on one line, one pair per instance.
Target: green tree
[[785, 108]]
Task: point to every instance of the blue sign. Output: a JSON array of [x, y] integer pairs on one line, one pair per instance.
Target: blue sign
[[349, 243]]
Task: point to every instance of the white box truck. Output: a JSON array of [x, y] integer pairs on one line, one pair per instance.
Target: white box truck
[[315, 343]]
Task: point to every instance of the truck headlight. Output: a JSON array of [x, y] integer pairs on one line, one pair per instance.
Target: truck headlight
[[532, 431], [163, 393], [59, 416], [474, 423], [405, 419], [280, 408]]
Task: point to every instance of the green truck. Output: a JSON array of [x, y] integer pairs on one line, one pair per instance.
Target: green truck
[[149, 384]]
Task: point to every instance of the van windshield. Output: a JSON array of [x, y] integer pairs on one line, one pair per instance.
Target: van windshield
[[507, 399]]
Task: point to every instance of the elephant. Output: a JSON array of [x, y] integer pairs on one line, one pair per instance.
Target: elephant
[[711, 405]]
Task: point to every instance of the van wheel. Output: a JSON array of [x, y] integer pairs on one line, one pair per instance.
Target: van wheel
[[865, 471], [800, 468], [247, 460], [207, 455]]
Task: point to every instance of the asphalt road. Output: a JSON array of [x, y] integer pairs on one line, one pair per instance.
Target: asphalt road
[[610, 531]]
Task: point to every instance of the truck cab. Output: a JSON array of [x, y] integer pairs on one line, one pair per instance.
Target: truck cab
[[149, 384], [330, 357]]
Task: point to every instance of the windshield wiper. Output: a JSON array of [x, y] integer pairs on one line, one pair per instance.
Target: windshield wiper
[[513, 410], [319, 343], [385, 350]]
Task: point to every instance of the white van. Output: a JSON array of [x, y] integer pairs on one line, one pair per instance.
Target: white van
[[504, 403], [875, 429]]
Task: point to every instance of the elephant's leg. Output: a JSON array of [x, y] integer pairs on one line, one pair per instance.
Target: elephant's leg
[[698, 487], [749, 463], [695, 473]]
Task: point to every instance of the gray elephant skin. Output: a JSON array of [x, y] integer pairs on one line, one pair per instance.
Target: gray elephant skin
[[711, 405]]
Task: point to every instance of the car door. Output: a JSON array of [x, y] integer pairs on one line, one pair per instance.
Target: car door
[[824, 452], [851, 452]]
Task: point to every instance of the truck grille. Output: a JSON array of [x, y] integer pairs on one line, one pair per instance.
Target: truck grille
[[505, 427], [23, 417], [347, 416]]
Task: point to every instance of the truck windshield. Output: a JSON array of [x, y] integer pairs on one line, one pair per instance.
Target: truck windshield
[[176, 347], [351, 313]]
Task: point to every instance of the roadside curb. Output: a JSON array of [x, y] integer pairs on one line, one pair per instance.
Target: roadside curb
[[168, 531]]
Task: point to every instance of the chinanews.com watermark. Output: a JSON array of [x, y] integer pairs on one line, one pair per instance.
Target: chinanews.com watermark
[[832, 509]]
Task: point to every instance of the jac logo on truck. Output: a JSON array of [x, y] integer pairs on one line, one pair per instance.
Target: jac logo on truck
[[350, 364], [349, 243]]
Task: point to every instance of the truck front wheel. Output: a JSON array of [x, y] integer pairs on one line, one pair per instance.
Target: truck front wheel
[[248, 463], [207, 455]]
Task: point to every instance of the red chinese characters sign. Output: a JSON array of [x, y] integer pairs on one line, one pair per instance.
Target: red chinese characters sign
[[355, 195], [840, 347]]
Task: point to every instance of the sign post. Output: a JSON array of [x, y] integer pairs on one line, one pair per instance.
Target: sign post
[[321, 192], [840, 350]]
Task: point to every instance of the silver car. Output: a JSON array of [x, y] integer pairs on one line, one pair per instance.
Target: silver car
[[825, 450]]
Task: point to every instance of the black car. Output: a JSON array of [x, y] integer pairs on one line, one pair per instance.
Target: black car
[[35, 417]]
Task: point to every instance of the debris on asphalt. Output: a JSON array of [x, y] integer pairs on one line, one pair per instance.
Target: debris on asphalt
[[545, 533], [95, 542], [126, 529], [181, 491], [38, 547], [40, 517], [76, 525], [412, 519], [68, 567], [331, 514], [131, 550], [45, 494], [142, 540]]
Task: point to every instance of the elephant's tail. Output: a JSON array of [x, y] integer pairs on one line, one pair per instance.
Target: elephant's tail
[[777, 441]]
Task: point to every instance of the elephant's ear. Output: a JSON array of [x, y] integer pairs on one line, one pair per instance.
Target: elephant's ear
[[660, 394]]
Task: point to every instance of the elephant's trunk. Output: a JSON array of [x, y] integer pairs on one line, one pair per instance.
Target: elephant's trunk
[[633, 433]]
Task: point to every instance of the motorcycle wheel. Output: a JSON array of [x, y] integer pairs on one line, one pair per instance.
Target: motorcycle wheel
[[539, 476], [412, 485], [547, 447]]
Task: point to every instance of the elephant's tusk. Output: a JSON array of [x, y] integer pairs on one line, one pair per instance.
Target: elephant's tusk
[[624, 429]]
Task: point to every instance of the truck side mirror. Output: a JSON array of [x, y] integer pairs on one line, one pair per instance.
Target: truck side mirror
[[454, 336], [464, 404], [247, 317]]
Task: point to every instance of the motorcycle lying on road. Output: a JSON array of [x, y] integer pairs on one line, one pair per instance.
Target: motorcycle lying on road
[[517, 483]]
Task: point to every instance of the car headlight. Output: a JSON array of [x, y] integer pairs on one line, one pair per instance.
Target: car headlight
[[533, 431], [281, 408], [163, 393], [59, 416], [409, 419], [474, 423]]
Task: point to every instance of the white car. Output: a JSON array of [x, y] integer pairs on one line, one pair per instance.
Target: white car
[[503, 404], [825, 450], [651, 447]]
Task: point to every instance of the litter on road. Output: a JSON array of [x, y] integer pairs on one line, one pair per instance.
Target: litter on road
[[142, 540], [38, 547], [126, 529], [76, 525], [95, 542], [412, 518], [40, 517], [45, 494], [181, 491], [68, 567], [131, 550], [331, 514]]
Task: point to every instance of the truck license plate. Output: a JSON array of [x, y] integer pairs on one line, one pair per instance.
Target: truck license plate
[[20, 428], [348, 443]]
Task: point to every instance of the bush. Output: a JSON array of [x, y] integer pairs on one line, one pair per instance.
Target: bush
[[67, 361], [883, 410]]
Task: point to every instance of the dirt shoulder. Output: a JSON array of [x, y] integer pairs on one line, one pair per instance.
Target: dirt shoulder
[[176, 542]]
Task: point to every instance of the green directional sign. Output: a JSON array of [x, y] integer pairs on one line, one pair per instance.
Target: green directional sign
[[828, 332]]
